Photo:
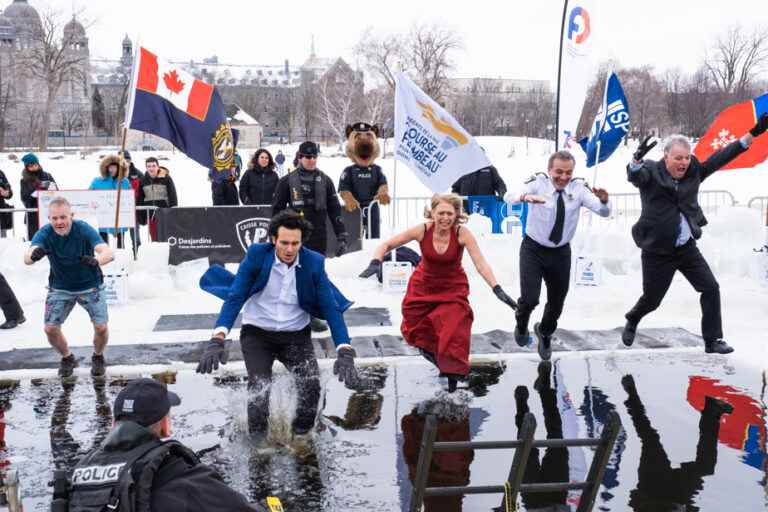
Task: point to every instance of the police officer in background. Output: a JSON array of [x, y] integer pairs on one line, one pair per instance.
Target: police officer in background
[[134, 467], [310, 192], [555, 202]]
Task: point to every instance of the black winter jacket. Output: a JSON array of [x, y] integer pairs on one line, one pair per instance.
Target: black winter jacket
[[5, 184], [31, 181], [257, 186], [663, 199], [483, 182], [159, 191]]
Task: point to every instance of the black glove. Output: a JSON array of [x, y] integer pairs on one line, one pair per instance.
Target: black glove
[[644, 148], [341, 244], [344, 367], [373, 268], [216, 351], [89, 261], [761, 126], [37, 254], [503, 297]]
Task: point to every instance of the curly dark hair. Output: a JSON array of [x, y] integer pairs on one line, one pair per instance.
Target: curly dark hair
[[255, 159], [289, 219]]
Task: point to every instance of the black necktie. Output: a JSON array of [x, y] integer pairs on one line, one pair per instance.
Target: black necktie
[[557, 231]]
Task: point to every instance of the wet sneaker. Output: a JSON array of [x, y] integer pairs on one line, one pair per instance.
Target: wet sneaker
[[545, 343], [12, 324], [628, 334], [717, 347], [522, 338], [67, 366], [98, 365]]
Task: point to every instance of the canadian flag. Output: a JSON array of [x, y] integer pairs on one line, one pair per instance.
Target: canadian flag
[[169, 81]]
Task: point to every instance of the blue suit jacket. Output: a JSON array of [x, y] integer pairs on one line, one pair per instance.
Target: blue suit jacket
[[317, 295]]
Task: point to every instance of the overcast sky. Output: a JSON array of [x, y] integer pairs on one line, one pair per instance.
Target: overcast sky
[[510, 38]]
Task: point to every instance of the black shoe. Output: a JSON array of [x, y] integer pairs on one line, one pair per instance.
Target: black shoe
[[98, 366], [542, 381], [717, 347], [545, 343], [522, 338], [719, 407], [67, 366], [628, 383], [521, 394], [317, 325], [12, 323], [628, 334]]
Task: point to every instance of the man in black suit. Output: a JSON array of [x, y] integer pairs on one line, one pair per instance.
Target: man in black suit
[[671, 222]]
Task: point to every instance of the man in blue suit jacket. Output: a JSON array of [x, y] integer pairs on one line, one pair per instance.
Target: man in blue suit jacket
[[279, 285]]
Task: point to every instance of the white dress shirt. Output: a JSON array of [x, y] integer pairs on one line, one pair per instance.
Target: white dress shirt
[[276, 307], [541, 217]]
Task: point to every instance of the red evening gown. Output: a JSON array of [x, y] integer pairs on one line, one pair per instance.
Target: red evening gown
[[437, 317]]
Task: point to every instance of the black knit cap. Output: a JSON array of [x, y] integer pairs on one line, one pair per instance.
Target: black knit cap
[[144, 401], [308, 148]]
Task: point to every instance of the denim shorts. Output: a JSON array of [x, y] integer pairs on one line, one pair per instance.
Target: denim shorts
[[59, 304]]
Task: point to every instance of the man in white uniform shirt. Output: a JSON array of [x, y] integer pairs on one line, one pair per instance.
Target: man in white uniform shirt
[[279, 286], [555, 202]]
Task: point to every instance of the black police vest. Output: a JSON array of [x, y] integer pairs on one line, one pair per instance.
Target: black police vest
[[121, 481], [297, 199]]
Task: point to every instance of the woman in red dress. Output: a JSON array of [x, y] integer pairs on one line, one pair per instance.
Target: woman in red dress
[[437, 317]]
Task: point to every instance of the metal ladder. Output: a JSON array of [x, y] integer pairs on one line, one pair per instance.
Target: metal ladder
[[514, 483]]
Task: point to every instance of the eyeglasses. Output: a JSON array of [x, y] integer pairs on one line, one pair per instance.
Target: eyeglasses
[[309, 157]]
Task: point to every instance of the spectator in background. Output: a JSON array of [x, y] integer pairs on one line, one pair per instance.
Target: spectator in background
[[12, 311], [280, 160], [483, 182], [108, 169], [33, 179], [6, 192], [223, 184], [157, 189], [260, 180], [134, 177]]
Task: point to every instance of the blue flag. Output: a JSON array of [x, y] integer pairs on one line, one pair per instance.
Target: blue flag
[[611, 123]]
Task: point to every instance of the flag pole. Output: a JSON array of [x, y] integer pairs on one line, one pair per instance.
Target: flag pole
[[120, 179], [559, 72]]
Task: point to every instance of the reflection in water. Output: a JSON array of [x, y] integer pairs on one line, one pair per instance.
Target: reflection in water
[[595, 409], [364, 406], [744, 429], [659, 486], [6, 398], [447, 468], [553, 466]]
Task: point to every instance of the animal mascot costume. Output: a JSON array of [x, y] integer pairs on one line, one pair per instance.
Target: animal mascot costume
[[363, 184]]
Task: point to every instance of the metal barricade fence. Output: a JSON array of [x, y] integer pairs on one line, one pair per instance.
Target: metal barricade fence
[[404, 212], [759, 202]]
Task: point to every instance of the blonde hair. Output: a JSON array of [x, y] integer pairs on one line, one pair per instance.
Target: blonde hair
[[453, 200]]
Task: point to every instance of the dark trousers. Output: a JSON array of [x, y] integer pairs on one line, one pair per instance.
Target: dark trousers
[[658, 271], [553, 266], [318, 238], [553, 466], [293, 349], [658, 482], [8, 303], [373, 212], [118, 236]]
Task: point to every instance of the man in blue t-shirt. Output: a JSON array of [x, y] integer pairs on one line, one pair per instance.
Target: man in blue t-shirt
[[75, 252]]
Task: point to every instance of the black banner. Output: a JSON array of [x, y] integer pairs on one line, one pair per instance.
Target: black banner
[[223, 233]]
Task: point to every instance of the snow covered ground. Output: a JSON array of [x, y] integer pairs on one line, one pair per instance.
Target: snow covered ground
[[156, 289]]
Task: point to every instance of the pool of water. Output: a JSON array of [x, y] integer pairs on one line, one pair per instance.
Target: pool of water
[[676, 452]]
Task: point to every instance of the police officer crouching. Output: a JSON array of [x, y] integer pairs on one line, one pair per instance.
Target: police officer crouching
[[134, 469]]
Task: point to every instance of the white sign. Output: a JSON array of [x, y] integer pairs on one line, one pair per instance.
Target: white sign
[[395, 276], [588, 271], [575, 69], [430, 141], [99, 204]]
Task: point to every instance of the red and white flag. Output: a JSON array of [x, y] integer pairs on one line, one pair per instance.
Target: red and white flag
[[169, 81]]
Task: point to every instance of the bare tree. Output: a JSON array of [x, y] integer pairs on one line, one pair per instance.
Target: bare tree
[[52, 60], [736, 58], [7, 93], [383, 55], [378, 107], [339, 102], [429, 49]]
